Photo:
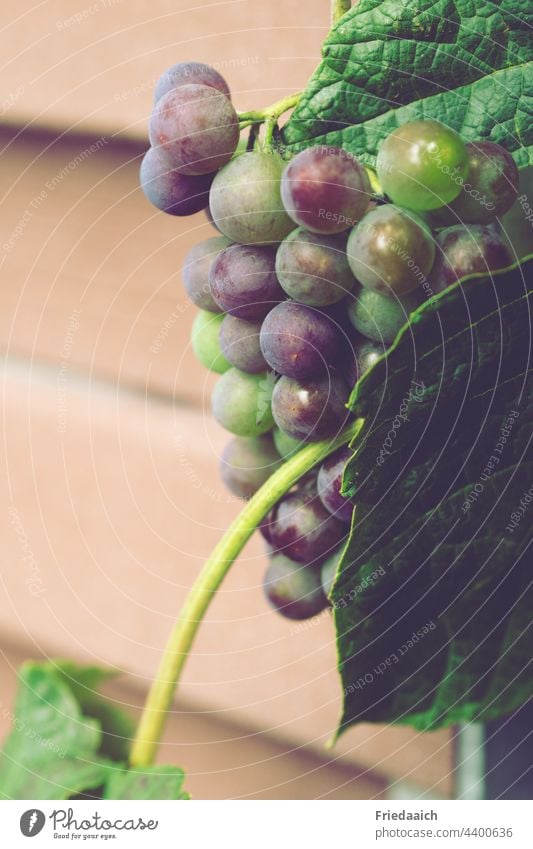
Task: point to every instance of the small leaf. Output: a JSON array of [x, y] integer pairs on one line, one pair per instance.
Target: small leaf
[[51, 752], [156, 782]]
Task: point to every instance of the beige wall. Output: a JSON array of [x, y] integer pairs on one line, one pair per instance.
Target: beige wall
[[109, 454]]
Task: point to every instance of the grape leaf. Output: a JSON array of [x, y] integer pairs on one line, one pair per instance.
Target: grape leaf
[[157, 782], [433, 597], [468, 64], [69, 741]]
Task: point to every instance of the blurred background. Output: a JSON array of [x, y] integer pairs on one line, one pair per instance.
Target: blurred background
[[110, 496]]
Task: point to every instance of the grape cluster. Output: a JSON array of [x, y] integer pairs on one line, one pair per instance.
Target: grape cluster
[[306, 283]]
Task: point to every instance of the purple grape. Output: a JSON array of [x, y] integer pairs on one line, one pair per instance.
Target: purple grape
[[313, 268], [170, 191], [300, 527], [491, 187], [391, 251], [329, 483], [243, 281], [239, 341], [246, 464], [294, 590], [298, 341], [187, 73], [196, 272], [467, 250], [310, 409], [325, 189], [196, 127]]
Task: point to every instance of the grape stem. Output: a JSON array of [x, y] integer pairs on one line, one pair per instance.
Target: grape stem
[[161, 694], [269, 116], [338, 9]]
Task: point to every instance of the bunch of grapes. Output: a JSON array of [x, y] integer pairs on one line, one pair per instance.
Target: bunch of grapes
[[307, 281]]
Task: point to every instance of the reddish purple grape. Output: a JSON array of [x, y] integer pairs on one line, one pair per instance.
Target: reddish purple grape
[[196, 127], [239, 341], [247, 462], [311, 409], [325, 189], [468, 250], [294, 590], [196, 272], [313, 268], [491, 187], [170, 191], [329, 483], [187, 73], [243, 281], [391, 251], [298, 341], [300, 527]]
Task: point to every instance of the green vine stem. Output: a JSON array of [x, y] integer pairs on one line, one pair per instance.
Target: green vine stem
[[158, 703], [338, 9], [269, 116]]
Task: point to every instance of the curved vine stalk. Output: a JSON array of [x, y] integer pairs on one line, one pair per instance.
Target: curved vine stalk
[[158, 703]]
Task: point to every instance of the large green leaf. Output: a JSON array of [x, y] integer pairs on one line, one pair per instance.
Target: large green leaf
[[67, 740], [467, 63], [433, 595]]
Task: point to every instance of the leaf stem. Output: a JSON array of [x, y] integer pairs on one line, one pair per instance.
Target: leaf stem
[[161, 694], [338, 9]]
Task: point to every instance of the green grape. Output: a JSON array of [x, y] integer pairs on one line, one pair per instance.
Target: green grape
[[379, 317], [286, 445], [205, 341], [241, 402], [245, 199], [422, 165]]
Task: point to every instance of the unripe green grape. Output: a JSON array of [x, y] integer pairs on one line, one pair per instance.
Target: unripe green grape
[[241, 402], [245, 199], [286, 445], [205, 341], [378, 317], [422, 165]]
